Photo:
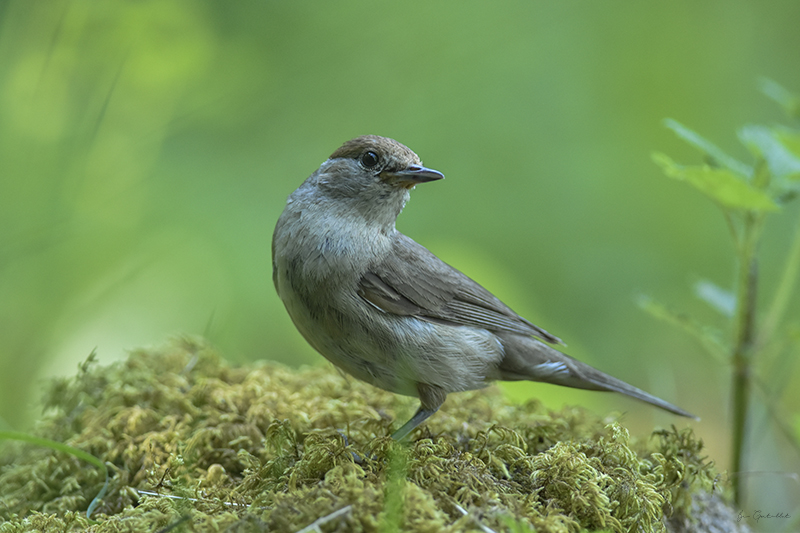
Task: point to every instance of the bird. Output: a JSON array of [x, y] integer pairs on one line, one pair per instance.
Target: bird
[[386, 310]]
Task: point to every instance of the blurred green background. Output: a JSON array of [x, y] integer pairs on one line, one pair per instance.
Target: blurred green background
[[147, 149]]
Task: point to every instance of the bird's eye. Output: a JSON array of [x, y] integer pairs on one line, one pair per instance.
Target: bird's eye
[[369, 159]]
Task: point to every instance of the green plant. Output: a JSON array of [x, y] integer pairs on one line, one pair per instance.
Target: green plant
[[194, 443], [747, 195]]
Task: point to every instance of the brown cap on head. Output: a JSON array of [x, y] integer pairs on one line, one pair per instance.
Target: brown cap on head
[[382, 145], [395, 163]]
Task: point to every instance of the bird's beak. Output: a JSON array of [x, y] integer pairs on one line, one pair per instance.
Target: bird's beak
[[411, 176]]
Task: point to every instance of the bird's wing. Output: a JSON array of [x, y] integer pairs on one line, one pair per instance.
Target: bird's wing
[[412, 281]]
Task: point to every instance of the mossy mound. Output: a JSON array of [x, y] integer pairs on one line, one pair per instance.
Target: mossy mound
[[195, 444]]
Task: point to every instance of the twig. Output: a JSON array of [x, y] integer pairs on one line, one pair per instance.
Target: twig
[[464, 512], [196, 500], [314, 526]]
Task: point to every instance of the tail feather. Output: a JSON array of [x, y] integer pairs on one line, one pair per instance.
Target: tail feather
[[532, 360]]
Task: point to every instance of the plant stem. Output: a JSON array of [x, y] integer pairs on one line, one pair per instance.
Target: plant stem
[[743, 345]]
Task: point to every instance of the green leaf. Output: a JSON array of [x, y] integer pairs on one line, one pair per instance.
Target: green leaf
[[797, 427], [707, 337], [789, 101], [790, 140], [709, 148], [719, 184], [784, 293], [722, 300], [763, 141]]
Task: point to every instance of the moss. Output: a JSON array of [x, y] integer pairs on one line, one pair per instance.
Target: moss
[[194, 443]]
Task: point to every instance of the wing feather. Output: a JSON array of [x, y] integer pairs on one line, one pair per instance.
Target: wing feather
[[412, 281]]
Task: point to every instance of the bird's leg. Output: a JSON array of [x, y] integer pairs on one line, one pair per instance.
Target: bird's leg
[[431, 399], [419, 417]]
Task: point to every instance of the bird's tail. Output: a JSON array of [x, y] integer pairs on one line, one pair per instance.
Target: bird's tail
[[532, 360]]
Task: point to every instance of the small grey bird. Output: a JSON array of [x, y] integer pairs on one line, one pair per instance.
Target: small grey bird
[[385, 309]]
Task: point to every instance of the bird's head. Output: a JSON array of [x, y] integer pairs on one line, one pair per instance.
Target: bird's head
[[372, 175]]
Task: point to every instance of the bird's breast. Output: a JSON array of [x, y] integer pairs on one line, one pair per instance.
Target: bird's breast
[[322, 251]]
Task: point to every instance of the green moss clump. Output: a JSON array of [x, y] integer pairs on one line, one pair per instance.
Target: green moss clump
[[192, 440]]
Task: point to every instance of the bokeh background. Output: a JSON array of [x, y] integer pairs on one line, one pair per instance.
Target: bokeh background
[[147, 149]]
